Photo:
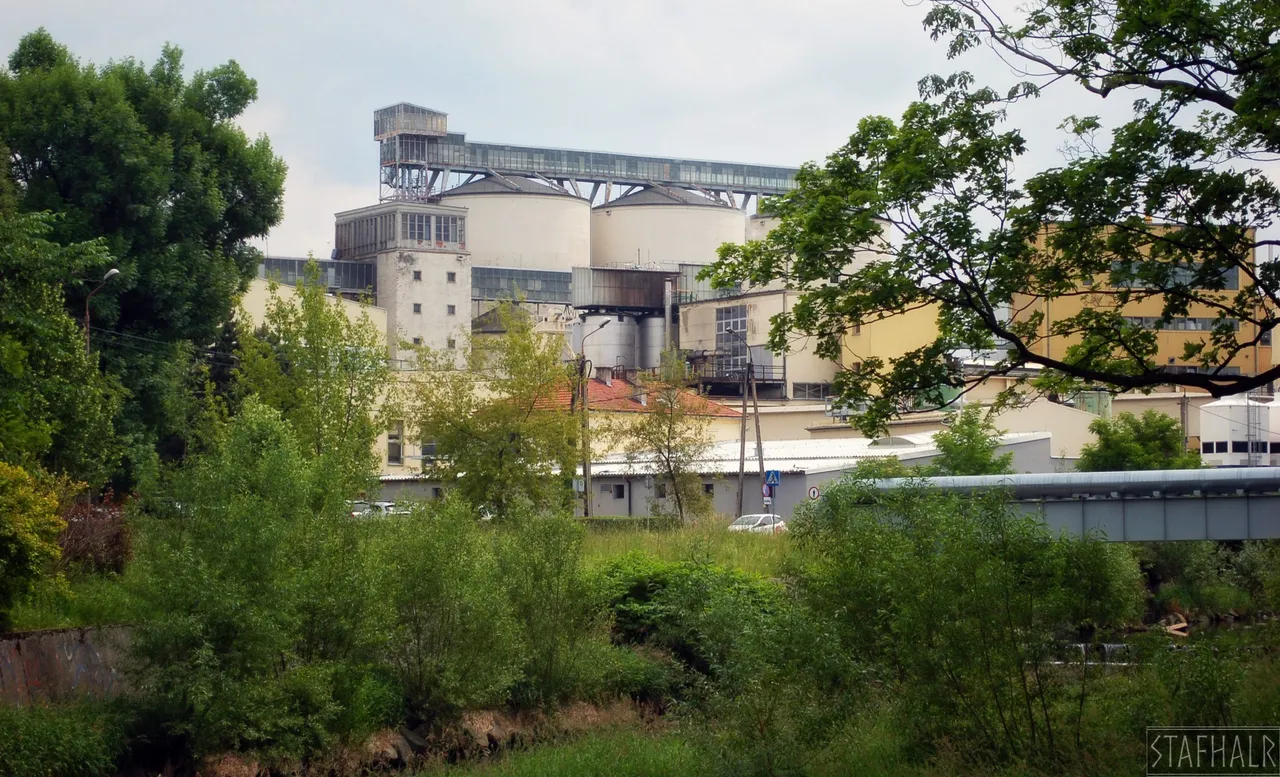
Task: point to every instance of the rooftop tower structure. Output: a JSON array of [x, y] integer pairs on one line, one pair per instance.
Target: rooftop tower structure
[[405, 135]]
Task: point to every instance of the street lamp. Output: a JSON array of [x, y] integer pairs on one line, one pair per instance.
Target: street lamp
[[586, 427], [113, 272], [748, 376]]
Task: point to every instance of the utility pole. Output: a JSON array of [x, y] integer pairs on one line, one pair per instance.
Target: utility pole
[[747, 376], [755, 403], [583, 386]]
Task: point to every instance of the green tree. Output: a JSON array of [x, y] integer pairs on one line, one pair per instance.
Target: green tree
[[56, 408], [668, 437], [29, 528], [926, 212], [1128, 442], [495, 415], [329, 377], [968, 446], [154, 165]]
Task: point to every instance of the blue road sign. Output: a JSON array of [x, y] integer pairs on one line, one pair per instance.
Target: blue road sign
[[773, 477]]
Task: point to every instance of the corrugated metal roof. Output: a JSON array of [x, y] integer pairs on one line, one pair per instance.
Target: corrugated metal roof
[[809, 455], [505, 185], [662, 195]]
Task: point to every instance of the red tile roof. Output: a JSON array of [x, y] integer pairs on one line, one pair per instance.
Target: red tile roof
[[624, 397]]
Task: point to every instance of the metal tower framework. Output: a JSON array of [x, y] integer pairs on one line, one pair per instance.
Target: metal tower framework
[[419, 159]]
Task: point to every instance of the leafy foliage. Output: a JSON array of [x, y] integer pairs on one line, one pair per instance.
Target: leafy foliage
[[925, 212], [154, 165], [499, 430], [1128, 442], [327, 375], [668, 439], [84, 740], [29, 528], [968, 446], [56, 409]]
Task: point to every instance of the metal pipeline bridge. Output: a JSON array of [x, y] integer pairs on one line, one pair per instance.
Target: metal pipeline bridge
[[1152, 506]]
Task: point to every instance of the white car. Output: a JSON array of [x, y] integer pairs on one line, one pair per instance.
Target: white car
[[759, 523]]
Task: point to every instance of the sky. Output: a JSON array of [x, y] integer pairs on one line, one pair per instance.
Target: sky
[[740, 80]]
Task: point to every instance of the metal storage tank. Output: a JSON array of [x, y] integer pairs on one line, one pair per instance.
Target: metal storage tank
[[653, 341], [662, 225], [517, 222], [614, 345], [1235, 431]]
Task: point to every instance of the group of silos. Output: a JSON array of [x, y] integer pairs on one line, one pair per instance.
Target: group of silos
[[524, 224], [1240, 431]]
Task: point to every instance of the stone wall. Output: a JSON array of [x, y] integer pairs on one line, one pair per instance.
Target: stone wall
[[62, 664]]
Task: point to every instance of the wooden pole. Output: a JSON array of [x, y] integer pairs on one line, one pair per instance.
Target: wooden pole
[[755, 403], [742, 439]]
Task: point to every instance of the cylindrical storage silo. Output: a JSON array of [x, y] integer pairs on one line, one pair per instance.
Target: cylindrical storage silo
[[661, 225], [1235, 431], [516, 222], [613, 345], [653, 339]]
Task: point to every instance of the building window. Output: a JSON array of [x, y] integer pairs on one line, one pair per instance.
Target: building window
[[661, 490], [415, 226], [452, 310], [1206, 447], [417, 307], [417, 341], [451, 277], [1180, 324], [810, 390], [606, 489], [1239, 446], [450, 343], [1265, 338], [448, 229], [428, 451], [1275, 448], [417, 275], [620, 491], [1259, 446], [709, 489], [437, 492], [731, 333], [1220, 446], [395, 444], [857, 329]]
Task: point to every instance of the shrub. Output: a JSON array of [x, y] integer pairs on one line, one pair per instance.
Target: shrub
[[29, 528], [453, 641], [96, 538], [83, 740], [540, 565]]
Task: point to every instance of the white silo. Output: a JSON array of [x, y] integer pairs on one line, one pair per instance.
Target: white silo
[[652, 342], [662, 225], [1235, 431], [516, 222], [610, 340]]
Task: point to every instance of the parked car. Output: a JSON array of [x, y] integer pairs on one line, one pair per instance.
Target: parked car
[[375, 509], [759, 523]]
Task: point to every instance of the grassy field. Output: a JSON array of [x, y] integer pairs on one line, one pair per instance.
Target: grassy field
[[761, 554], [618, 754], [89, 600]]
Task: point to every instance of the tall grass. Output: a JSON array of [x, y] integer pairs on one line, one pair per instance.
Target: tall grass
[[617, 754], [760, 554], [85, 600]]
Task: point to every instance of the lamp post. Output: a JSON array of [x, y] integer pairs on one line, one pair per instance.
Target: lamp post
[[113, 272], [586, 424], [748, 377]]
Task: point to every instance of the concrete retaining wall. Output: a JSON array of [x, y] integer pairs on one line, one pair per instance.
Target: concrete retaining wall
[[61, 665]]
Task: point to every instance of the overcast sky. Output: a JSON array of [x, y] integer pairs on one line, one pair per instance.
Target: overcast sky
[[740, 80]]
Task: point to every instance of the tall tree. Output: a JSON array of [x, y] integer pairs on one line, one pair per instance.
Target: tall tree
[[327, 375], [668, 438], [56, 408], [495, 415], [968, 446], [154, 164], [1162, 210], [1128, 442]]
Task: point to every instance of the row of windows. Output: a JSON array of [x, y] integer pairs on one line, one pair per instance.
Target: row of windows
[[1190, 369], [1181, 324], [449, 277], [1240, 446], [449, 342], [418, 227], [810, 390], [451, 310], [619, 490]]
